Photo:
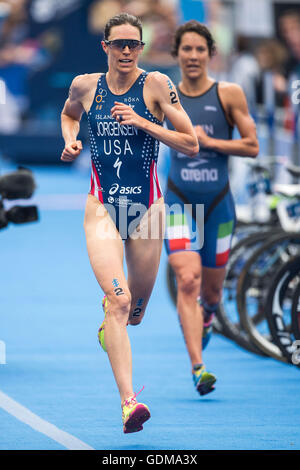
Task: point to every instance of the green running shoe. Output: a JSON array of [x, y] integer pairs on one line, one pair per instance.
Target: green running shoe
[[134, 414], [101, 329], [204, 381]]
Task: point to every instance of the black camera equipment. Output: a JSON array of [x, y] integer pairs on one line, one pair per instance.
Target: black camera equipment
[[17, 184]]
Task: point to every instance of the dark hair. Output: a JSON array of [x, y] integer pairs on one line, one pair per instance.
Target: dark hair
[[123, 18], [291, 12], [194, 27]]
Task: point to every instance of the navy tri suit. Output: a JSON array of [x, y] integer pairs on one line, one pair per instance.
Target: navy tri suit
[[124, 159], [201, 213]]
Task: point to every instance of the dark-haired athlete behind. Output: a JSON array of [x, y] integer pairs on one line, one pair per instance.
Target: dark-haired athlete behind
[[125, 109], [214, 109]]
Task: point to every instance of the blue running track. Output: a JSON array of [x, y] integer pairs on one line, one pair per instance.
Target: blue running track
[[57, 377]]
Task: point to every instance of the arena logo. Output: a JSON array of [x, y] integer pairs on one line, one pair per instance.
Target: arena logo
[[125, 189], [2, 92], [204, 175], [296, 93], [2, 353]]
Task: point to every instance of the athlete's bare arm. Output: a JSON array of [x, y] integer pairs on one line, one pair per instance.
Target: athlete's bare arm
[[160, 94], [235, 104], [75, 105]]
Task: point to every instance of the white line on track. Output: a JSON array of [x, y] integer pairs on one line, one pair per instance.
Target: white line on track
[[35, 422]]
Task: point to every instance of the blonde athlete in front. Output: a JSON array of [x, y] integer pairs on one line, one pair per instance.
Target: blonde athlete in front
[[125, 109]]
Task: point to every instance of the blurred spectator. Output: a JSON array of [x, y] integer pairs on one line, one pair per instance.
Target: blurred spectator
[[159, 19], [100, 11], [159, 23], [271, 84], [5, 10], [220, 23], [289, 27], [11, 57], [19, 56], [14, 27], [245, 70]]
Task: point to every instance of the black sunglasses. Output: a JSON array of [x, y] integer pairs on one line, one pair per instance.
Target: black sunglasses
[[122, 43]]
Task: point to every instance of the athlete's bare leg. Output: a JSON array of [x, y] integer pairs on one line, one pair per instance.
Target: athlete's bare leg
[[212, 284], [187, 267], [193, 278], [105, 250], [143, 252]]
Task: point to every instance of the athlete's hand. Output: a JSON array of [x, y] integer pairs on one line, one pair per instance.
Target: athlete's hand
[[203, 138], [124, 114], [71, 151]]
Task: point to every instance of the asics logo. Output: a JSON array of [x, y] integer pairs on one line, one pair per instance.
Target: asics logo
[[114, 189], [125, 189]]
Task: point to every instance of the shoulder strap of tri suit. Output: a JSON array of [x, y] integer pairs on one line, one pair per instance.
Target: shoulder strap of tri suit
[[142, 78]]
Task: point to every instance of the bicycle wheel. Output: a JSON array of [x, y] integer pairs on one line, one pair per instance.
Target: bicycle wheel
[[253, 285], [279, 306], [296, 312], [229, 316]]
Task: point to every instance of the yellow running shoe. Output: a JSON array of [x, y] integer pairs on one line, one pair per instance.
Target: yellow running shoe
[[101, 329], [204, 381], [134, 414]]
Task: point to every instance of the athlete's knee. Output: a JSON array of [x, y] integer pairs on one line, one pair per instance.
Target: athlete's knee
[[189, 282], [119, 305]]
